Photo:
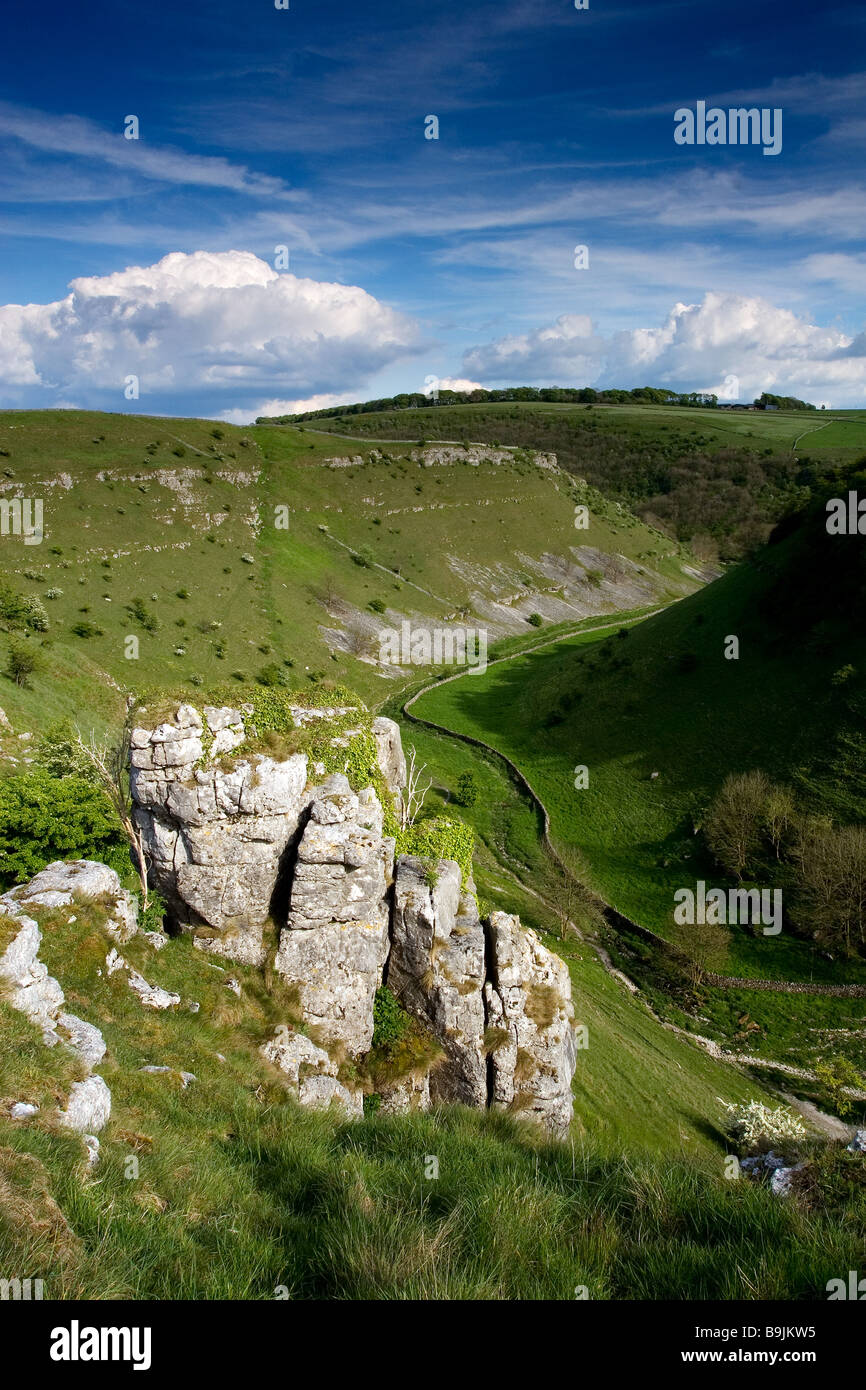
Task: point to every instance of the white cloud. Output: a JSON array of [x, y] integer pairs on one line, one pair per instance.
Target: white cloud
[[79, 138], [767, 348], [192, 327], [324, 401], [458, 383]]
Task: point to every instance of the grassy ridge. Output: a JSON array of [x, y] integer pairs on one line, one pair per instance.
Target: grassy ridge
[[718, 478]]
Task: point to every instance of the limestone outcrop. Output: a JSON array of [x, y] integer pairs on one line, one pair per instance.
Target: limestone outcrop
[[335, 942], [389, 753], [436, 970], [311, 1073], [233, 843], [528, 999], [215, 838], [29, 988]]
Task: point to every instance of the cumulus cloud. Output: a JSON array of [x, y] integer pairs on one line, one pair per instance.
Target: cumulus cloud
[[698, 347], [195, 329], [458, 383], [326, 400]]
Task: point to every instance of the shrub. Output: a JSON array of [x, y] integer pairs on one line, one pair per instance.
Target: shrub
[[138, 609], [59, 754], [20, 610], [467, 792], [756, 1126], [43, 818], [439, 838], [272, 675], [85, 629], [21, 663], [535, 620], [153, 917], [390, 1020]]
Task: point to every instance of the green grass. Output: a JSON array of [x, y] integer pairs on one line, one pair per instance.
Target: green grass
[[628, 707], [716, 476], [141, 543], [625, 709], [227, 1190]]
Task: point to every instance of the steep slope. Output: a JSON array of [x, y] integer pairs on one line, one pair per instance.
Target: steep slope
[[659, 716], [718, 478], [178, 552]]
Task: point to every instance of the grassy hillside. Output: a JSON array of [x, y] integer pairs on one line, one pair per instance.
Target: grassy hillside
[[718, 478], [661, 697], [226, 1189], [225, 553]]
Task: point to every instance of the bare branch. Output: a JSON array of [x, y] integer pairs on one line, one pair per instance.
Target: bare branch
[[412, 800], [110, 762]]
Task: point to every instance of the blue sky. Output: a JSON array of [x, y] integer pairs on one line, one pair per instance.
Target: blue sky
[[412, 258]]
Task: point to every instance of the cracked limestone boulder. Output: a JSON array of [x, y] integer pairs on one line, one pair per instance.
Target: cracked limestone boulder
[[436, 970], [84, 1038], [312, 1073], [89, 1106], [216, 836], [335, 942], [530, 1021]]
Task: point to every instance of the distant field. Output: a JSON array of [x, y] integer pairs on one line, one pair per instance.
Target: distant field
[[715, 479], [826, 431]]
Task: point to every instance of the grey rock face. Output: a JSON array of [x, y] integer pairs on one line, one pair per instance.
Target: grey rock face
[[408, 1094], [37, 994], [528, 998], [312, 1073], [215, 837], [29, 987], [389, 753], [335, 943], [436, 970]]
